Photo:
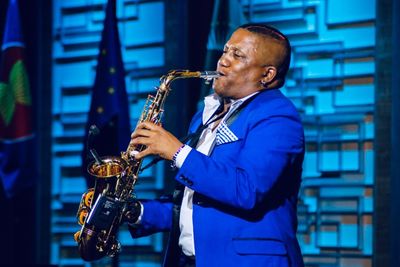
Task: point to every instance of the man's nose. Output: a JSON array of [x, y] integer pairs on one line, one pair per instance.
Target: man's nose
[[223, 60]]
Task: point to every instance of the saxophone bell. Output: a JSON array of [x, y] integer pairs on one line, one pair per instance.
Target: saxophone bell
[[102, 208]]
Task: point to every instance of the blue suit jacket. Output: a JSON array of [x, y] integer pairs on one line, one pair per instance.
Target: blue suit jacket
[[244, 208]]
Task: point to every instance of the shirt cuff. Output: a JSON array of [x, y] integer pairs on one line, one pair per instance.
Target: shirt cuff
[[182, 155]]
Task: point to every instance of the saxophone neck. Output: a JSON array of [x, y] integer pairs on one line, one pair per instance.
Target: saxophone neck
[[167, 79], [172, 75]]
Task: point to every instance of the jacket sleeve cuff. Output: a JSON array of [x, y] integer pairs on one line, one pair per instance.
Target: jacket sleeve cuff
[[182, 155]]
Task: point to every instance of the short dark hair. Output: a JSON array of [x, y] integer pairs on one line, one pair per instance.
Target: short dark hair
[[271, 32]]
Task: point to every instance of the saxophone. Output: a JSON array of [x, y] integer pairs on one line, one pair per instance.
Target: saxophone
[[101, 208]]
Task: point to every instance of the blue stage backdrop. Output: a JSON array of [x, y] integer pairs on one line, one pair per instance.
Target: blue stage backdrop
[[331, 82]]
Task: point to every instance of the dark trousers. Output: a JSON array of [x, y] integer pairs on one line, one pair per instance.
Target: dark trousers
[[185, 261]]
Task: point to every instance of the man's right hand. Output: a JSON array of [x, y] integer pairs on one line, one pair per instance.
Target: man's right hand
[[132, 212], [157, 140]]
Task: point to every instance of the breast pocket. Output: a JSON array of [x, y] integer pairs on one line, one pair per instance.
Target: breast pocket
[[225, 135]]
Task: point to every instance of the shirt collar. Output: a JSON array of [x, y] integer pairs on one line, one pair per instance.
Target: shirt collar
[[212, 102]]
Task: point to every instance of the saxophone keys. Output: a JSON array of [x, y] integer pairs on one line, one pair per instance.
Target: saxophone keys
[[88, 197], [132, 153], [83, 213]]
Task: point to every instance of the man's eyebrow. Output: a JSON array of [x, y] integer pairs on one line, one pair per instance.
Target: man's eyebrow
[[226, 46]]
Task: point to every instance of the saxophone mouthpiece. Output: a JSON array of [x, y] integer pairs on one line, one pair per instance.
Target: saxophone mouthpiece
[[208, 75]]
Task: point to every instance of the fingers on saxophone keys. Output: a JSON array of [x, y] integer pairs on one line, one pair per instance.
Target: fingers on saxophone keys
[[144, 130], [140, 126], [139, 140], [134, 153], [131, 146], [139, 155], [146, 125], [141, 132]]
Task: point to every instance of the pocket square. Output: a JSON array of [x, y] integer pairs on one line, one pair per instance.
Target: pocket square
[[224, 134]]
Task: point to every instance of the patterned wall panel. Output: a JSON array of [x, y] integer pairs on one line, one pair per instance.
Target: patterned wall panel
[[332, 84], [76, 36]]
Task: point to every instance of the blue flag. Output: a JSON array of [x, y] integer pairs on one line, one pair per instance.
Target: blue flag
[[109, 109], [17, 142]]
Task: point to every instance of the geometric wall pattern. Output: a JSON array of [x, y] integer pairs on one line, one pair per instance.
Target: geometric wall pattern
[[331, 82]]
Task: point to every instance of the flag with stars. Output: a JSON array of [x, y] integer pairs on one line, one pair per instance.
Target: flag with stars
[[17, 142], [109, 109]]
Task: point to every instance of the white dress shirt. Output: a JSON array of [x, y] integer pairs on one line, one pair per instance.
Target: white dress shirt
[[205, 146]]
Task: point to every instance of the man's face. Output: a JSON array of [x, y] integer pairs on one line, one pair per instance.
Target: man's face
[[242, 65]]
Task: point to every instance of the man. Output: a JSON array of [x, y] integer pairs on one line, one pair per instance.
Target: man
[[235, 203]]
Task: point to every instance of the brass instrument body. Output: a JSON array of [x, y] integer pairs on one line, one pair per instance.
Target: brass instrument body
[[101, 208]]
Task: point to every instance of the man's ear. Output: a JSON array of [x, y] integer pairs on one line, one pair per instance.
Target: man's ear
[[269, 74]]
